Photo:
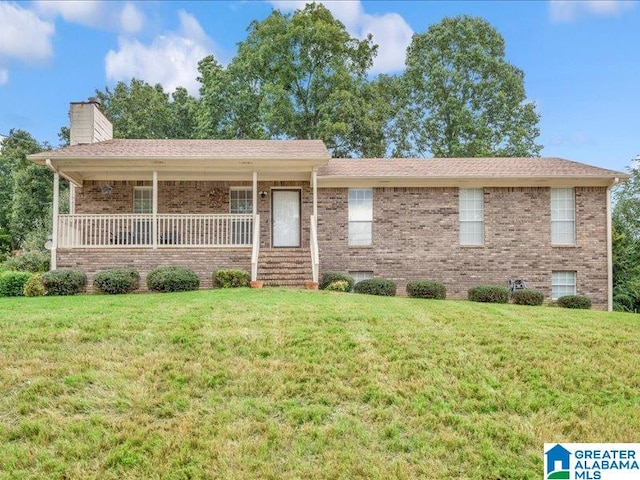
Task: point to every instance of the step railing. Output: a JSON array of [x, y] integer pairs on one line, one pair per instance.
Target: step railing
[[315, 258], [255, 251]]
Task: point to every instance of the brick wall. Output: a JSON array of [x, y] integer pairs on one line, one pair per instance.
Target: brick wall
[[203, 261], [192, 197], [415, 236]]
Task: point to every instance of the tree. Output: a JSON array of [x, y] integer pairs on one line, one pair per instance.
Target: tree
[[463, 99], [25, 191], [298, 76], [626, 244], [141, 110]]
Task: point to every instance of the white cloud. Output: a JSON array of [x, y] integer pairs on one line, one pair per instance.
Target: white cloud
[[570, 10], [575, 139], [171, 59], [4, 76], [131, 19], [23, 35], [94, 14], [390, 31]]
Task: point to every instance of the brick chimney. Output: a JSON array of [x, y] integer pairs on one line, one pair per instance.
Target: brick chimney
[[88, 124]]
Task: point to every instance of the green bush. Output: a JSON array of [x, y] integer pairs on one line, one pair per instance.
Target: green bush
[[489, 294], [426, 289], [64, 282], [34, 286], [28, 262], [574, 301], [117, 280], [339, 286], [329, 277], [376, 286], [230, 278], [172, 279], [527, 297], [12, 283]]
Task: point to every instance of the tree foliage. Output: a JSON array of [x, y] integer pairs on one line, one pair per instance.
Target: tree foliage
[[141, 110], [25, 192], [626, 244], [299, 76], [463, 99]]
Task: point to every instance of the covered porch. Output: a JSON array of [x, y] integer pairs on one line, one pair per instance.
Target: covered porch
[[175, 205]]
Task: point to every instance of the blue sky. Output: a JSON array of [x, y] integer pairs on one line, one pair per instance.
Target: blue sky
[[581, 59]]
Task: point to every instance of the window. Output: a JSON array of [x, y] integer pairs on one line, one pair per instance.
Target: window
[[562, 283], [241, 200], [471, 216], [359, 276], [142, 199], [563, 216], [360, 216]]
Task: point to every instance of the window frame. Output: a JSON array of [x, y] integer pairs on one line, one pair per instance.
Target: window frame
[[463, 211], [572, 275], [359, 275], [150, 199], [249, 197], [558, 206], [352, 223]]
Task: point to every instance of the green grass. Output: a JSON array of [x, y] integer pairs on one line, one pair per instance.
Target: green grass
[[284, 384]]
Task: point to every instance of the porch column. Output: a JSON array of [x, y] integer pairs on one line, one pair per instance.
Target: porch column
[[56, 208], [314, 182], [255, 194], [154, 211], [72, 198]]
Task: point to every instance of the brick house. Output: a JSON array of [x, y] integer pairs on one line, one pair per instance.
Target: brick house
[[286, 211]]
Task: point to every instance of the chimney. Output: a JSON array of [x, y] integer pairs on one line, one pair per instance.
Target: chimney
[[88, 124]]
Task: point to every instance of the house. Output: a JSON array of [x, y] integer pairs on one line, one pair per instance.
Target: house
[[286, 211]]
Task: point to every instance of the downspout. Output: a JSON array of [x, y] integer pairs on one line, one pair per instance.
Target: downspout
[[56, 208], [610, 249]]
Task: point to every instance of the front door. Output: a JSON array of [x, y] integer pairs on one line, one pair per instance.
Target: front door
[[285, 211]]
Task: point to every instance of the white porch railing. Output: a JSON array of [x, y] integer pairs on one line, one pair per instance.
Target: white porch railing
[[136, 230], [315, 258]]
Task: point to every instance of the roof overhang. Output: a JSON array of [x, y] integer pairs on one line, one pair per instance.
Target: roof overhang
[[78, 170], [466, 181]]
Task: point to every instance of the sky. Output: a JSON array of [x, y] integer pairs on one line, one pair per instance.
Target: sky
[[581, 59]]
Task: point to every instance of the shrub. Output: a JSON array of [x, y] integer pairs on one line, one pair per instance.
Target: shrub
[[489, 294], [34, 286], [426, 289], [12, 283], [376, 286], [339, 286], [230, 278], [28, 262], [172, 279], [527, 297], [329, 277], [117, 280], [64, 282], [574, 301]]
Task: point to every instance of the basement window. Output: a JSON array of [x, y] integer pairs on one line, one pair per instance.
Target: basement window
[[562, 283]]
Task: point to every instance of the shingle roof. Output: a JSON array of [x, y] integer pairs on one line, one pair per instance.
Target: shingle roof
[[201, 149], [462, 167]]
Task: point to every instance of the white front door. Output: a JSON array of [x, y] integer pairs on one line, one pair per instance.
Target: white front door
[[286, 218]]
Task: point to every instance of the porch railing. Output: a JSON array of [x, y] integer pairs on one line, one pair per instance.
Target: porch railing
[[173, 230]]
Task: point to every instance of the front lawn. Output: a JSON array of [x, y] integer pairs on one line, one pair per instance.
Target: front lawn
[[290, 384]]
